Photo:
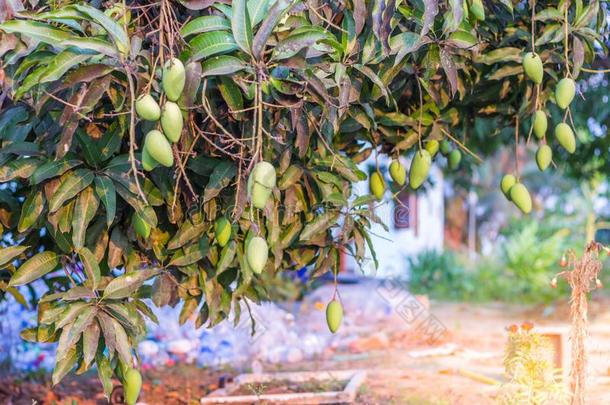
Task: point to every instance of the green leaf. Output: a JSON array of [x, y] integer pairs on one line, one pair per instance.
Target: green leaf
[[257, 10], [52, 169], [123, 286], [36, 267], [226, 257], [72, 184], [36, 30], [205, 24], [93, 44], [211, 43], [318, 225], [190, 254], [65, 365], [84, 211], [20, 168], [276, 12], [8, 254], [104, 187], [186, 233], [297, 41], [63, 62], [104, 372], [113, 28], [31, 210], [241, 25], [91, 338], [90, 266], [221, 177], [222, 65]]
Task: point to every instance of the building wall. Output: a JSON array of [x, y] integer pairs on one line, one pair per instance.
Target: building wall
[[396, 245]]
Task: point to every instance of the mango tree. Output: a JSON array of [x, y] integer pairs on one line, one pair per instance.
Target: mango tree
[[165, 153]]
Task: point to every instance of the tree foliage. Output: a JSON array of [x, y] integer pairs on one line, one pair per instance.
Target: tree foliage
[[313, 87]]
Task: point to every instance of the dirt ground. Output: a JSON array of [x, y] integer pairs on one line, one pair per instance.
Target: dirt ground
[[399, 370]]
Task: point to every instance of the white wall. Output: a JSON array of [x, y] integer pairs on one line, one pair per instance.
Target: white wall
[[393, 247]]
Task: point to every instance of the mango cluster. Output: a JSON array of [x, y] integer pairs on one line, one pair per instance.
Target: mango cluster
[[516, 192], [419, 169], [157, 148], [564, 94]]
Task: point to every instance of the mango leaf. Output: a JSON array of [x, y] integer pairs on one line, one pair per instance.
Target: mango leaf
[[430, 12], [226, 257], [84, 211], [93, 44], [20, 168], [31, 210], [205, 24], [318, 225], [8, 254], [90, 266], [72, 184], [113, 28], [222, 65], [211, 43], [186, 233], [297, 41], [190, 254], [104, 372], [36, 267], [220, 178], [123, 286], [63, 62], [36, 30], [65, 365], [52, 169], [241, 25], [91, 338], [257, 10], [276, 12], [104, 187]]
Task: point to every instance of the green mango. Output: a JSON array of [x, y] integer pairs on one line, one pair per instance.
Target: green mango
[[398, 172], [432, 147], [171, 121], [544, 155], [222, 231], [132, 385], [261, 182], [508, 180], [521, 197], [260, 195], [159, 148], [532, 65], [334, 315], [264, 173], [540, 124], [174, 77], [565, 136], [140, 226], [565, 92], [455, 157], [148, 163], [420, 168], [445, 147], [257, 253], [477, 10], [377, 185], [147, 108]]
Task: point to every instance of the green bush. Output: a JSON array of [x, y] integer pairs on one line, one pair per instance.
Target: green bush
[[518, 270]]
